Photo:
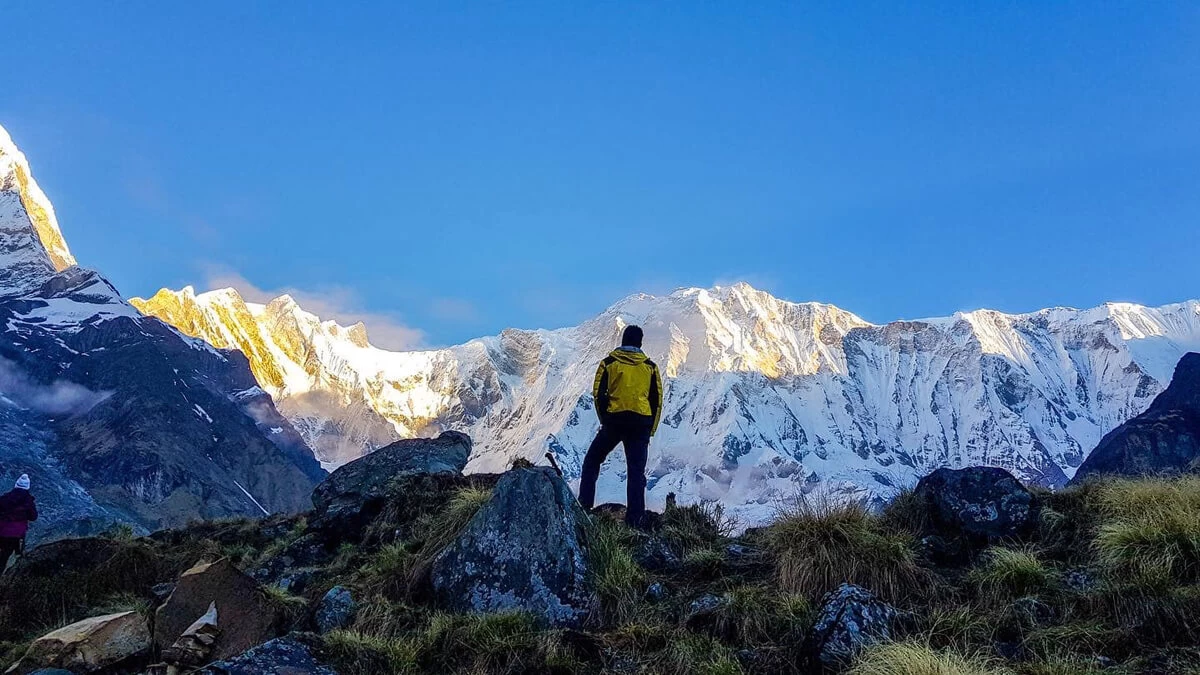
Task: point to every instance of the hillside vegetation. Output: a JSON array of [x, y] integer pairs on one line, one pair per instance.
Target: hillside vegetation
[[1108, 580]]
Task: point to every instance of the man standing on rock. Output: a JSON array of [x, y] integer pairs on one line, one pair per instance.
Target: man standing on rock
[[17, 510], [628, 394]]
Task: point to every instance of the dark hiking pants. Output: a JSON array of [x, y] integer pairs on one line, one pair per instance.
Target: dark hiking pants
[[8, 546], [633, 432]]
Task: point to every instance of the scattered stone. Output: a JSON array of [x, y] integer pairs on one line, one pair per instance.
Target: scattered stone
[[657, 592], [524, 550], [89, 645], [195, 646], [984, 503], [703, 608], [1032, 612], [162, 591], [336, 610], [247, 616], [1080, 580], [354, 492], [654, 555], [290, 655], [851, 618], [295, 582], [739, 552], [1104, 663]]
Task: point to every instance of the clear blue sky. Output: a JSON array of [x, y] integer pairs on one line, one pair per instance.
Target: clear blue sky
[[463, 167]]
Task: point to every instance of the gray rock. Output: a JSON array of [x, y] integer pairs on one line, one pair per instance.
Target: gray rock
[[346, 496], [163, 591], [52, 671], [654, 555], [657, 592], [980, 502], [524, 550], [851, 619], [336, 610], [1080, 580], [290, 655], [703, 608]]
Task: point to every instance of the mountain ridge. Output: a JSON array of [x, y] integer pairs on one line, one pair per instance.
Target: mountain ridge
[[119, 417], [766, 397]]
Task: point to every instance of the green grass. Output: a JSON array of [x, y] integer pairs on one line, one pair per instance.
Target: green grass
[[914, 658], [696, 526], [820, 544], [1150, 531], [455, 643], [388, 571], [759, 615], [1003, 574], [619, 582]]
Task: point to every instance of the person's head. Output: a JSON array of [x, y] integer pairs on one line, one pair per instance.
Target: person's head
[[632, 337], [23, 482]]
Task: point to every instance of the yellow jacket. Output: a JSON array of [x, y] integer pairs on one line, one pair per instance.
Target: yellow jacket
[[628, 381]]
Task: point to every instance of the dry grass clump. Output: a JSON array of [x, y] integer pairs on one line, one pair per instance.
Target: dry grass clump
[[1150, 531], [695, 527], [820, 544], [914, 658], [1003, 574]]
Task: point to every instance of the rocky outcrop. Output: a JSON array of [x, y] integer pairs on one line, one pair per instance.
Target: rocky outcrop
[[291, 655], [525, 550], [354, 492], [851, 619], [979, 503], [89, 645], [1163, 440], [245, 615]]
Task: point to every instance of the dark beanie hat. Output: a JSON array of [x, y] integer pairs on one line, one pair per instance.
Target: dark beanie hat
[[632, 337]]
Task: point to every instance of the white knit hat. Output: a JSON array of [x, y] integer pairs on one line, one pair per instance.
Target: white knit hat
[[23, 482]]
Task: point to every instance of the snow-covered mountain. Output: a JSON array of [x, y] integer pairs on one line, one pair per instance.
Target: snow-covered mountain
[[765, 398], [117, 416]]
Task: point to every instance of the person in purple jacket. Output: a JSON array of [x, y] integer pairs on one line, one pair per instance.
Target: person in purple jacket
[[17, 510]]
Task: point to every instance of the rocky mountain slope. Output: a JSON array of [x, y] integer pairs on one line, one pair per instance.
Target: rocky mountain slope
[[765, 398], [117, 416], [1163, 440]]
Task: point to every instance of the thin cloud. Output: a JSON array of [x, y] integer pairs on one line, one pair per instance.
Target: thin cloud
[[336, 303], [60, 397]]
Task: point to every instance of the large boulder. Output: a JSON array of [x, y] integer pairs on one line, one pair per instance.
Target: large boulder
[[850, 620], [980, 503], [524, 550], [246, 616], [88, 645], [355, 491], [1163, 440], [291, 655]]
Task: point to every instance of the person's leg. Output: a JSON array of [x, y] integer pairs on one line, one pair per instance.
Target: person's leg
[[606, 439], [8, 546], [637, 446]]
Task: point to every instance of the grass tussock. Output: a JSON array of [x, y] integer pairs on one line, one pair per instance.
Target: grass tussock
[[914, 658], [1150, 531], [618, 580], [695, 527], [455, 643], [1004, 574], [758, 615], [819, 544]]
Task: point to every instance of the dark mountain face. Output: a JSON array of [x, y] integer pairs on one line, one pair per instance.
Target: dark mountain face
[[116, 416], [1163, 440]]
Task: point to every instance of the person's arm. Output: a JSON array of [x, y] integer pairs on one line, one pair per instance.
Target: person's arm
[[32, 514], [656, 398], [600, 390]]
